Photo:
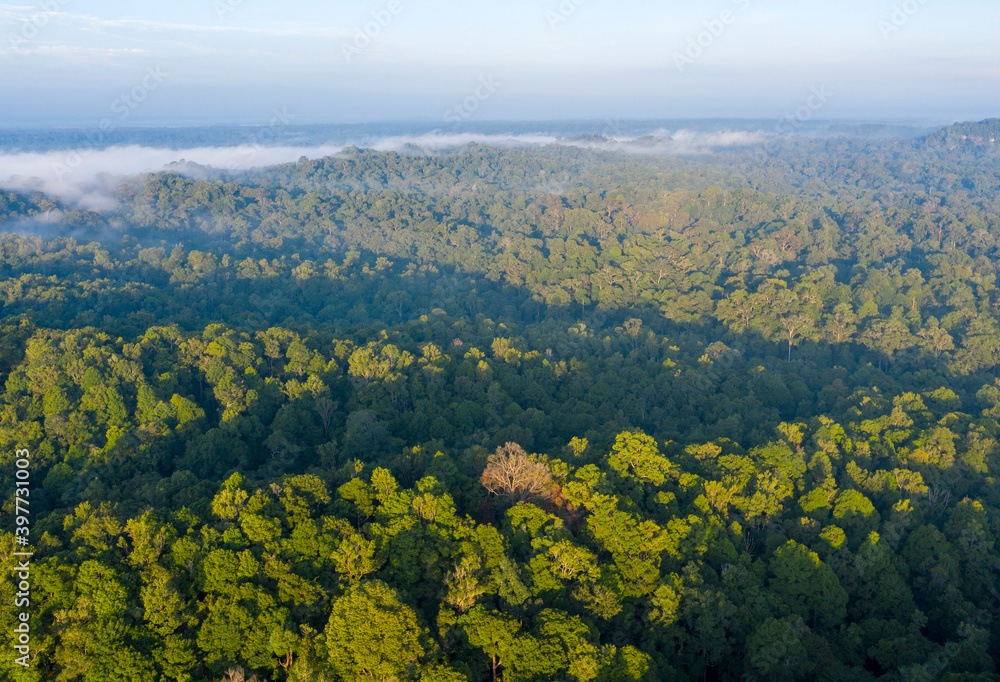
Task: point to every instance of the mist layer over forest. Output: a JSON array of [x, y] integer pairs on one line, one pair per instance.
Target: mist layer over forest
[[619, 401]]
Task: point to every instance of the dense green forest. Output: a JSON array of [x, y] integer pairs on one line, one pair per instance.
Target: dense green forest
[[551, 413]]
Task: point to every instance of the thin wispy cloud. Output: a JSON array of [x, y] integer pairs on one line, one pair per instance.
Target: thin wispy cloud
[[169, 27], [600, 60], [89, 22], [24, 11], [77, 51]]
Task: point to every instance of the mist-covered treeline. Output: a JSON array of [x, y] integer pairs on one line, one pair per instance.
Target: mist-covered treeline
[[519, 414]]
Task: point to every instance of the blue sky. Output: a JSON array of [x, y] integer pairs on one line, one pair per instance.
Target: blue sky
[[225, 61]]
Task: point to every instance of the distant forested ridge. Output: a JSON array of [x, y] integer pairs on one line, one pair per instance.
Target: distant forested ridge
[[981, 134], [513, 414]]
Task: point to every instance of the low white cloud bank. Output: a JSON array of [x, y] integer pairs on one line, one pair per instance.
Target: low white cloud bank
[[443, 142], [86, 178], [663, 142]]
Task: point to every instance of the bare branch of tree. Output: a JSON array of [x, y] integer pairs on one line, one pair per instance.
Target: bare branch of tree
[[512, 475]]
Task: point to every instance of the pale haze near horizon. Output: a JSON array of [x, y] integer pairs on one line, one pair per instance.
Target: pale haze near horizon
[[237, 61]]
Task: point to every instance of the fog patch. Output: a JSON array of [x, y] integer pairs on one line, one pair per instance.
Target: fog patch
[[56, 223], [444, 142], [87, 178], [665, 143]]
